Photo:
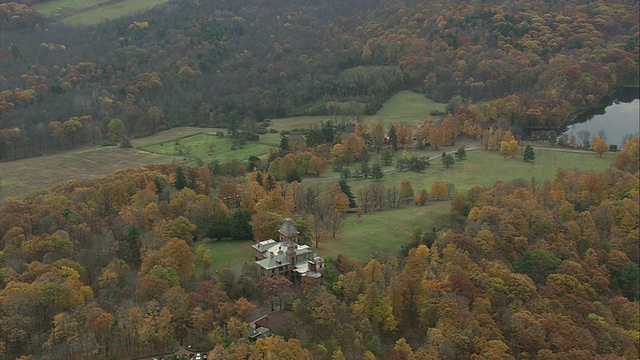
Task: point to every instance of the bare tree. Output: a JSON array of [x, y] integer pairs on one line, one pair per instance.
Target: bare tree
[[584, 136]]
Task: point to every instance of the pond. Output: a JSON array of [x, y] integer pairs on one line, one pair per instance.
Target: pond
[[618, 121]]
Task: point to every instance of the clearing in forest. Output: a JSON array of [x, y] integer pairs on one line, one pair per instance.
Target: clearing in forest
[[206, 147], [405, 107], [21, 177], [91, 12]]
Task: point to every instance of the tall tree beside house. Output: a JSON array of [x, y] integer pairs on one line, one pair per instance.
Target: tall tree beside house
[[240, 225], [332, 207]]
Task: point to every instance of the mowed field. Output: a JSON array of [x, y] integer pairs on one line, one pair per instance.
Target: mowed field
[[21, 177], [91, 12], [405, 107], [207, 147], [386, 231], [482, 167]]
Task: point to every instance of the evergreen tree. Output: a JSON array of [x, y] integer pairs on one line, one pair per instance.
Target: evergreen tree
[[447, 160], [271, 183], [346, 189], [393, 138], [240, 225], [386, 157], [528, 155], [345, 174], [461, 153], [365, 169], [284, 145], [128, 249], [418, 163], [376, 171], [181, 180], [294, 176]]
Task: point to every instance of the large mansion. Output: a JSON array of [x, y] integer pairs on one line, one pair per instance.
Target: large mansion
[[286, 257]]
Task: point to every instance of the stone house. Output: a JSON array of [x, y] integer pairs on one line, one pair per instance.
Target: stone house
[[286, 257]]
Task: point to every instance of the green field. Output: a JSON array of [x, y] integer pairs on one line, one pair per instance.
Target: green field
[[291, 123], [207, 147], [406, 107], [384, 230], [172, 134], [231, 254], [485, 168], [91, 12]]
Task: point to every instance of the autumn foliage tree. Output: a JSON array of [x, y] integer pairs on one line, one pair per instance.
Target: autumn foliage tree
[[599, 145]]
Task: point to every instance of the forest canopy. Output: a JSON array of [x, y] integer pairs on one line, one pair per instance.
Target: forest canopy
[[107, 267]]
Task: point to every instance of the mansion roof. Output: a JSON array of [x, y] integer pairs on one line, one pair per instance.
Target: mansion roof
[[288, 229]]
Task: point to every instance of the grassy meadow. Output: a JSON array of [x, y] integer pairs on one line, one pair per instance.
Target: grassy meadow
[[24, 176], [231, 254], [406, 107], [91, 12], [387, 230], [384, 230], [483, 167], [292, 123], [207, 147]]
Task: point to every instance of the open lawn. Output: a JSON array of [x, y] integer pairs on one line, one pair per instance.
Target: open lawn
[[172, 134], [62, 8], [90, 12], [358, 238], [19, 178], [485, 168], [207, 147], [291, 123], [24, 176], [385, 230], [231, 254], [406, 107]]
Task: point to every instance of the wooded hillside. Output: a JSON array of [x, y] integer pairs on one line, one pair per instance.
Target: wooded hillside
[[234, 63]]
